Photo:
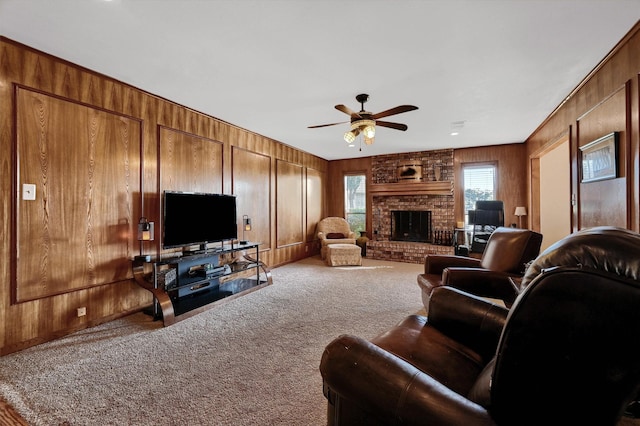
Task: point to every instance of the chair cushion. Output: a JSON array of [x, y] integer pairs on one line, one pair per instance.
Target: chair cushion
[[335, 235], [431, 351], [480, 393]]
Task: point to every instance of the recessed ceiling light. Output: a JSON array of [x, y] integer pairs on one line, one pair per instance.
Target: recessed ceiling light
[[456, 126]]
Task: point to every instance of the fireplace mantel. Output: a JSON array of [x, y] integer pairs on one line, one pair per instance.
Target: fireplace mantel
[[412, 188]]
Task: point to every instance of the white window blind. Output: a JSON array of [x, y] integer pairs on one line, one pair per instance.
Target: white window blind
[[479, 184]]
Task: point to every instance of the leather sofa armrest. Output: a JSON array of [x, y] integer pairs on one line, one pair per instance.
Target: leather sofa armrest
[[435, 263], [482, 282], [402, 393], [471, 320]]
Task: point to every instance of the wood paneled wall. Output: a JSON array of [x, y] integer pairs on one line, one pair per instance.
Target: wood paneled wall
[[101, 153], [69, 236], [606, 101], [189, 162], [605, 202], [254, 182], [290, 212], [512, 177], [315, 202]]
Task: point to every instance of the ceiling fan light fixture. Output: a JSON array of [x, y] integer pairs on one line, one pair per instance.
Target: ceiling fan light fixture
[[369, 132], [350, 136], [366, 126], [362, 123]]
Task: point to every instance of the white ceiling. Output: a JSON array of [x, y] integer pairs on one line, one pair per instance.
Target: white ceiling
[[277, 66]]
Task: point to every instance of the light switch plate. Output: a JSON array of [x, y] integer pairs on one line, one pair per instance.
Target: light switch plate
[[28, 191]]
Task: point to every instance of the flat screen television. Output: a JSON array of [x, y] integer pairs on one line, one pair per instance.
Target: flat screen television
[[198, 218]]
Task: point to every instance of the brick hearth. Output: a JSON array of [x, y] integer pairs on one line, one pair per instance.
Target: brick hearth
[[402, 251]]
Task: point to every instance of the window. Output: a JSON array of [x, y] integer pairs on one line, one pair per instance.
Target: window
[[479, 184], [355, 202]]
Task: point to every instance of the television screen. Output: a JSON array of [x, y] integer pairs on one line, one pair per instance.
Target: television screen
[[198, 218]]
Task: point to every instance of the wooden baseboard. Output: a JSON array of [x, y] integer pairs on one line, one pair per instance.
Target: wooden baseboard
[[9, 416]]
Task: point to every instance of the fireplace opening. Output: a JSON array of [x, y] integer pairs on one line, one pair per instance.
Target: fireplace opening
[[411, 225]]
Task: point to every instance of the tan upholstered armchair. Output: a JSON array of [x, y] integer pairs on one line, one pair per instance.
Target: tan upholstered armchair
[[334, 230]]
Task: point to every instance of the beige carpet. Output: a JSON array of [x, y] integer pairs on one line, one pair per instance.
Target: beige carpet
[[251, 361]]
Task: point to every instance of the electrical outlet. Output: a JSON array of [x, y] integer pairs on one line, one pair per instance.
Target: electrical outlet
[[82, 311]]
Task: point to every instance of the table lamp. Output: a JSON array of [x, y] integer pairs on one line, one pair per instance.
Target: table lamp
[[520, 211]]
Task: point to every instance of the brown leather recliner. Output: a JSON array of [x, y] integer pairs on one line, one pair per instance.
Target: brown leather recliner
[[507, 252], [567, 352]]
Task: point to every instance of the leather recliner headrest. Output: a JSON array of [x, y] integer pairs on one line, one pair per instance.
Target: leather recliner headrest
[[605, 248], [509, 249]]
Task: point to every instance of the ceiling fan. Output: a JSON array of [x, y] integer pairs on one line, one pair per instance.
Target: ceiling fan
[[365, 122]]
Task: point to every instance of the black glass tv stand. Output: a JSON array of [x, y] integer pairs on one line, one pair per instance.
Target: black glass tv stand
[[186, 285]]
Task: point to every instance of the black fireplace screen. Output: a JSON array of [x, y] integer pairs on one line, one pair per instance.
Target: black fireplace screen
[[411, 225]]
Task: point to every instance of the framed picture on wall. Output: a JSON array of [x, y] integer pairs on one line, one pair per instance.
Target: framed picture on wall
[[599, 159]]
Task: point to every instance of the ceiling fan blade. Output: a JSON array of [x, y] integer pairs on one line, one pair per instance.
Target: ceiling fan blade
[[326, 125], [397, 110], [348, 111], [397, 126]]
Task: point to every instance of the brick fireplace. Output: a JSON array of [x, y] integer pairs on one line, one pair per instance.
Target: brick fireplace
[[412, 182]]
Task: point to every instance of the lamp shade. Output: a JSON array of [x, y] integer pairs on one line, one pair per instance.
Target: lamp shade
[[520, 211], [365, 126], [349, 136], [369, 131]]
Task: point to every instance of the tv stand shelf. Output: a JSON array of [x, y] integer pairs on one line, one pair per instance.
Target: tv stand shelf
[[183, 286]]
